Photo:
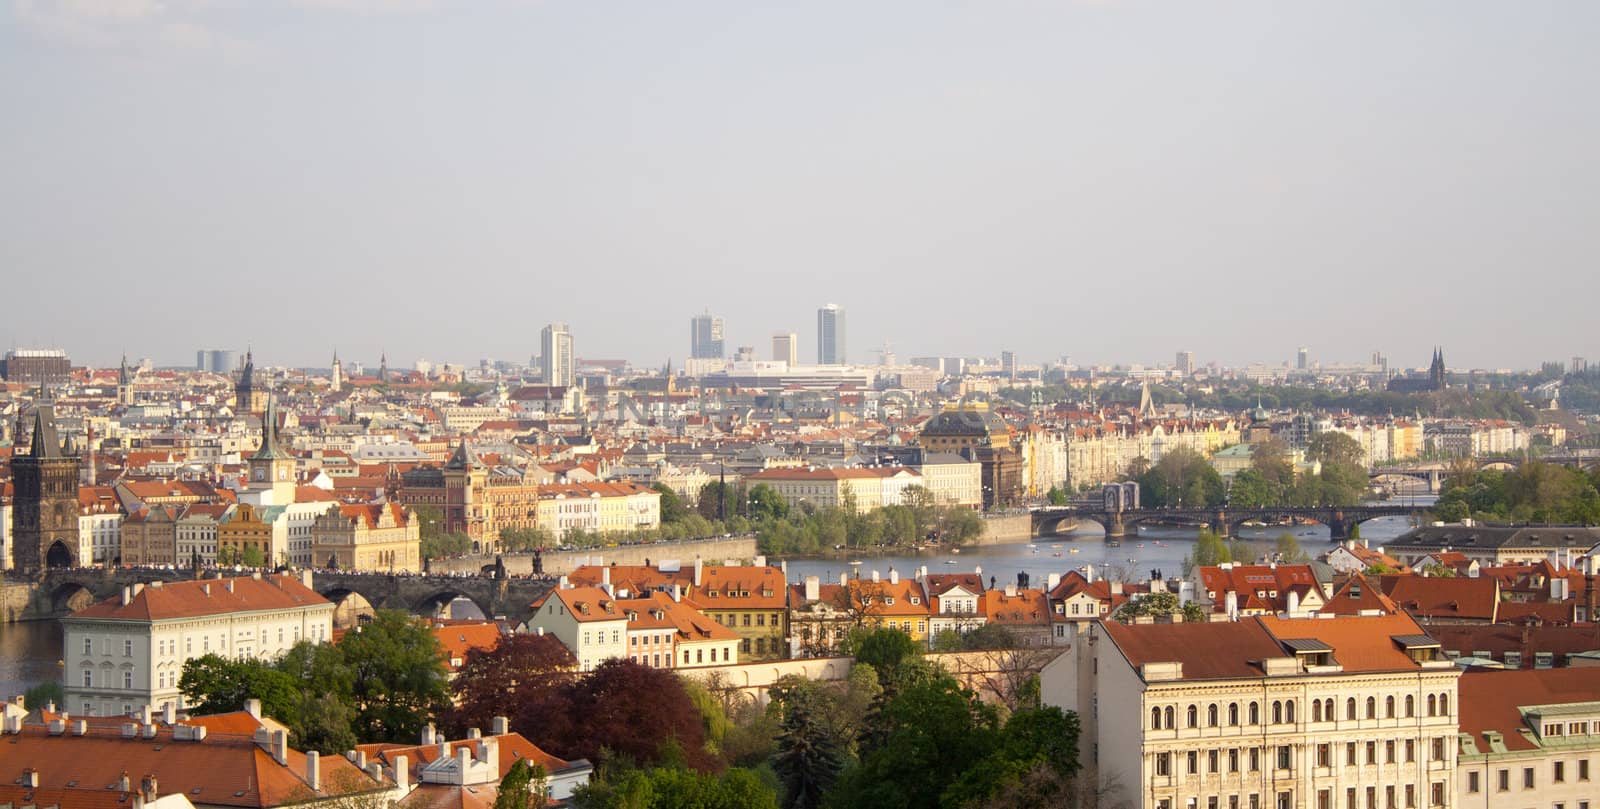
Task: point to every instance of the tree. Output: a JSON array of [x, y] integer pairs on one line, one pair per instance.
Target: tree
[[673, 787], [213, 684], [44, 694], [673, 509], [1251, 489], [766, 504], [717, 500], [522, 787], [601, 716], [887, 651], [444, 546], [398, 676], [1182, 478], [1152, 605], [227, 556], [519, 679], [1032, 737], [1271, 460], [1057, 496], [1210, 550], [809, 756], [926, 737], [1289, 549], [325, 685], [526, 539]]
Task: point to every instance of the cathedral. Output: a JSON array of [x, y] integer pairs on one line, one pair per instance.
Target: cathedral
[[44, 519], [1434, 382]]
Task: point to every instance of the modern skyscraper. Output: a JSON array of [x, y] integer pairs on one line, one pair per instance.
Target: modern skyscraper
[[1185, 363], [830, 335], [786, 348], [1303, 359], [555, 346], [705, 337], [1008, 364]]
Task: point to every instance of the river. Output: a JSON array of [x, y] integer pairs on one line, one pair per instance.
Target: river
[[30, 652], [1155, 548]]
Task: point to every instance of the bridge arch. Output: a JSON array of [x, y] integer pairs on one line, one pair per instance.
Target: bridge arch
[[59, 556], [350, 608], [1049, 524], [431, 605], [1497, 466], [69, 597]]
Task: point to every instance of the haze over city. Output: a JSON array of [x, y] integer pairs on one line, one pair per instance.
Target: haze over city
[[1106, 180]]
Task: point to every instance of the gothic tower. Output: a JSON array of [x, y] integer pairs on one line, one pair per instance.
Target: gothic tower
[[249, 396], [336, 378], [124, 383], [1436, 370], [272, 469], [44, 520]]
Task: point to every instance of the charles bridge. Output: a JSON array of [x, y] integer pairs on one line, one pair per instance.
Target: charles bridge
[[59, 592], [1225, 521]]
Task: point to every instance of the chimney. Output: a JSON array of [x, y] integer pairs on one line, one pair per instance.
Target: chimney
[[427, 734], [844, 578], [129, 731], [227, 584], [305, 578], [1051, 581], [151, 787], [1011, 590], [677, 591], [1088, 573], [894, 576], [699, 571], [169, 713], [125, 783], [463, 760], [760, 561], [144, 714], [1294, 602], [253, 707], [1116, 588], [474, 733], [80, 727], [206, 588], [564, 584], [359, 759], [30, 778], [314, 770], [1232, 602], [127, 596], [280, 747], [605, 577], [813, 588], [402, 774], [783, 565], [922, 573], [874, 576], [149, 731], [500, 725], [138, 587]]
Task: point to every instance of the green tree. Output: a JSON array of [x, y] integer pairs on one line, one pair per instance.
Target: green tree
[[887, 651], [672, 787], [766, 504], [213, 684], [1057, 496], [717, 499], [526, 539], [1271, 460], [522, 787], [1032, 738], [43, 694], [1182, 478], [1289, 550], [325, 685], [673, 509], [1251, 489], [398, 675], [1150, 605], [809, 755], [1210, 550]]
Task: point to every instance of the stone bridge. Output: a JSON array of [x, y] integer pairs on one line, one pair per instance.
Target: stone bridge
[[62, 591], [1225, 521]]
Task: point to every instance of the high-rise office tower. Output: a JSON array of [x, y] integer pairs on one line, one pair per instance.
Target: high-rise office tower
[[1186, 363], [1303, 359], [830, 335], [786, 348], [1008, 364], [555, 346], [705, 337]]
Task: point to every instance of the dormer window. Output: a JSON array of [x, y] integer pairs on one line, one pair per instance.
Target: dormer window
[[888, 601]]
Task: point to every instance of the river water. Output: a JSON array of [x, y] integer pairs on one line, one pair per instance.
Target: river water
[[30, 652]]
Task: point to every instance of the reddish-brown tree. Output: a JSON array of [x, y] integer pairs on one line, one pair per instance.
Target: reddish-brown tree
[[521, 679], [631, 711]]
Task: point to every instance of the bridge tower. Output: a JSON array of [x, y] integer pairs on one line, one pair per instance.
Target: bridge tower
[[44, 519]]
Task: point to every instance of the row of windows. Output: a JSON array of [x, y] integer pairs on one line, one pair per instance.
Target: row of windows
[[1283, 711], [1392, 752], [1196, 762], [1530, 779], [1392, 797]]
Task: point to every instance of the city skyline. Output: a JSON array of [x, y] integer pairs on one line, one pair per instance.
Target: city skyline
[[1245, 178]]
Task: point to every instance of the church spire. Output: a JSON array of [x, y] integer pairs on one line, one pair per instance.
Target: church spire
[[269, 434]]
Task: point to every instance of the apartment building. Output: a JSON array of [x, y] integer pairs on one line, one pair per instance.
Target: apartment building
[[128, 651], [1282, 713], [1530, 738]]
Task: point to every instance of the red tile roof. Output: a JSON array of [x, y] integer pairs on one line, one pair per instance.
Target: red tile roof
[[1208, 651], [1432, 597], [1490, 699], [1360, 644], [188, 599]]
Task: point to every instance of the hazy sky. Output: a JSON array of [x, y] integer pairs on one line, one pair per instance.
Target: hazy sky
[[1107, 180]]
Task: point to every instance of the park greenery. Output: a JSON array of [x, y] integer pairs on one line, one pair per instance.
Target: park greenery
[[727, 508], [899, 732], [380, 683], [1271, 479], [1532, 492]]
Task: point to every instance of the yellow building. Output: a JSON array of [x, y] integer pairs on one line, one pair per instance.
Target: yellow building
[[380, 537], [250, 528], [870, 488]]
